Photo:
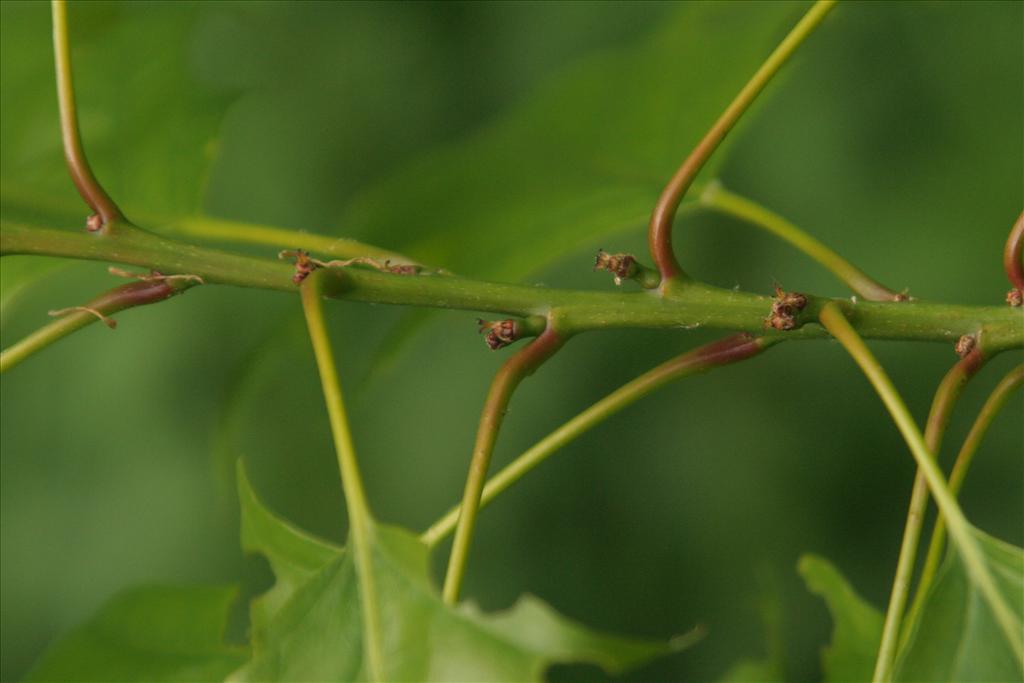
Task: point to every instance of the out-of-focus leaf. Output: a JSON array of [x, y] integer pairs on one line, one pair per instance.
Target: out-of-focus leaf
[[148, 125], [21, 272], [772, 666], [158, 633], [957, 637], [586, 155], [313, 631], [858, 625]]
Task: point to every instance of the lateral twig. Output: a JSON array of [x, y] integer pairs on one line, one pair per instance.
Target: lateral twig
[[101, 308], [515, 369], [716, 197], [659, 234]]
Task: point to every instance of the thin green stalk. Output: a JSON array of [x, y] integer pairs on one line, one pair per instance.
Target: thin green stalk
[[695, 305], [659, 235], [724, 201], [90, 189], [106, 304], [360, 520], [723, 352], [206, 227], [995, 402], [835, 322], [946, 395], [515, 369]]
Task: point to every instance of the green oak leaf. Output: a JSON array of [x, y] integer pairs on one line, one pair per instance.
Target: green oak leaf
[[153, 633], [957, 637], [311, 629], [858, 624]]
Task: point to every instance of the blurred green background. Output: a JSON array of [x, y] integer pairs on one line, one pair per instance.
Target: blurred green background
[[894, 136]]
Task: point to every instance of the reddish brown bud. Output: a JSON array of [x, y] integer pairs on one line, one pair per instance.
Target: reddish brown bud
[[93, 222], [965, 344], [622, 266], [500, 333], [785, 308], [1015, 297], [303, 264], [402, 269]]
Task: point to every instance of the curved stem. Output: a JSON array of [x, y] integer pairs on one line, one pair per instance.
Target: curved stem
[[1013, 258], [995, 402], [695, 305], [515, 369], [90, 189], [106, 304], [722, 352], [720, 199], [659, 234], [360, 520], [832, 318], [938, 418]]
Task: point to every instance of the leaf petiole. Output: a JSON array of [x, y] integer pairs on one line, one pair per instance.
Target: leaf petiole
[[360, 520]]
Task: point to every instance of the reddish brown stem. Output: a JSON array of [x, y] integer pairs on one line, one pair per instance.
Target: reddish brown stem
[[1013, 254], [105, 210], [106, 304], [659, 235], [515, 369]]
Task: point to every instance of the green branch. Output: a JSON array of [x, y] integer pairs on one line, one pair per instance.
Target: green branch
[[718, 198], [946, 395], [514, 371], [360, 521], [659, 235], [959, 529], [237, 232], [995, 402], [723, 352], [697, 304]]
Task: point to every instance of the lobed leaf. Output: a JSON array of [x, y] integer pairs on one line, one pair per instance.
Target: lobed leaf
[[957, 637], [858, 624], [155, 633], [314, 629]]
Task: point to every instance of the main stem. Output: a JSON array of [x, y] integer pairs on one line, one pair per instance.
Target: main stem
[[938, 418], [659, 235], [360, 520], [505, 382], [695, 305], [78, 166], [959, 529]]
